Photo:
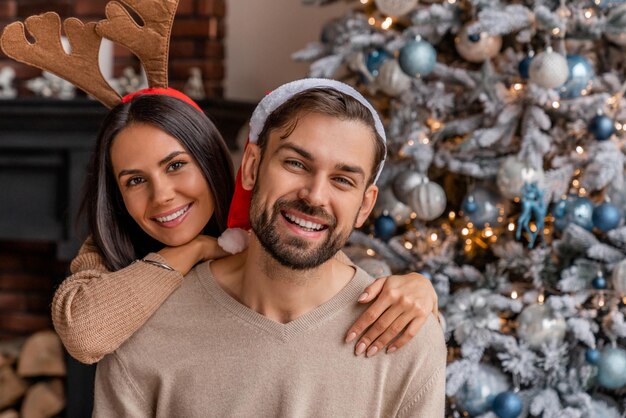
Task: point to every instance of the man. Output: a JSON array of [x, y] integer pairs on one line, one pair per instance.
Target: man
[[261, 334]]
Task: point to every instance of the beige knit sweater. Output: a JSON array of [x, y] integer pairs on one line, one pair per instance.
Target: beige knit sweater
[[203, 354], [95, 310]]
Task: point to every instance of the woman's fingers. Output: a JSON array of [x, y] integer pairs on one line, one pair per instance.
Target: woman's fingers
[[373, 290], [410, 332], [378, 328]]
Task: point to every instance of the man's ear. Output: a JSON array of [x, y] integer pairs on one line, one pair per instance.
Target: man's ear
[[250, 166], [369, 199]]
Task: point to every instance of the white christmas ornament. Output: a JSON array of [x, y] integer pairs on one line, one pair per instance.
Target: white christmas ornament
[[428, 201], [513, 174], [391, 79], [549, 69], [477, 48], [539, 326], [395, 7]]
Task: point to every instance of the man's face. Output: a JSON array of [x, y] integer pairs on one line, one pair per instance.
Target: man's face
[[310, 190]]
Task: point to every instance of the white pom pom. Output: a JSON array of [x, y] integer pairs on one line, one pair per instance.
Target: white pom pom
[[233, 240]]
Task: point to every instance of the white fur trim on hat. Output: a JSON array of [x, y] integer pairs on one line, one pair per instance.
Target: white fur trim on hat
[[283, 93], [233, 240]]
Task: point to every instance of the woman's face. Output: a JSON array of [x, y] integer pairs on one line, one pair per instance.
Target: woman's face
[[162, 185]]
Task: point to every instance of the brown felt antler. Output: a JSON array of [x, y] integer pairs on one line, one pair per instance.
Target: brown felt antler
[[149, 42], [80, 67]]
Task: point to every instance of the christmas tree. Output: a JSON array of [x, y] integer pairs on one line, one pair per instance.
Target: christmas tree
[[504, 184]]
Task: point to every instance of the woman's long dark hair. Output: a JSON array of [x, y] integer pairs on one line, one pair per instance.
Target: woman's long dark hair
[[117, 236]]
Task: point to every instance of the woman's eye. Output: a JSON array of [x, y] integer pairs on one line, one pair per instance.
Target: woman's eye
[[176, 165], [134, 181]]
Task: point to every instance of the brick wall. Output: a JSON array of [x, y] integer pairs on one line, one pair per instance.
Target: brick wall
[[29, 273], [197, 38]]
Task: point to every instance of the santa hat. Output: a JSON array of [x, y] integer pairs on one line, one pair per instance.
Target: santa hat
[[235, 238]]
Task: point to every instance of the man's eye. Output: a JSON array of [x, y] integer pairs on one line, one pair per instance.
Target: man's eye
[[344, 181], [295, 164]]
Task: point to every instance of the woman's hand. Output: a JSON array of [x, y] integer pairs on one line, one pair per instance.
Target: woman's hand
[[401, 307], [184, 257]]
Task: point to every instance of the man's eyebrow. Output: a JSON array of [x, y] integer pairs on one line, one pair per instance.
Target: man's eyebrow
[[304, 153], [165, 160], [350, 169]]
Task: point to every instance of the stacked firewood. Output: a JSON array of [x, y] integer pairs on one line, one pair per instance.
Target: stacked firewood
[[31, 377]]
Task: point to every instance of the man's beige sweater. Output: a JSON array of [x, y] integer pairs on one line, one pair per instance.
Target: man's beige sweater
[[203, 354]]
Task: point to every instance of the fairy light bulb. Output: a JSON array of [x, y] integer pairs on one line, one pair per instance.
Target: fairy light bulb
[[556, 104], [370, 252], [408, 245], [541, 298], [514, 295], [434, 237], [511, 227], [371, 21], [580, 150], [465, 231], [386, 23]]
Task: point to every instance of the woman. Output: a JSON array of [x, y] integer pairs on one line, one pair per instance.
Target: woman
[[158, 190]]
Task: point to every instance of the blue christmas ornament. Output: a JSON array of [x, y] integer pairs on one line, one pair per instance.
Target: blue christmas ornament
[[581, 213], [375, 60], [469, 205], [599, 282], [384, 227], [601, 127], [417, 58], [606, 217], [612, 368], [477, 394], [523, 67], [533, 208], [507, 405], [592, 356], [580, 74]]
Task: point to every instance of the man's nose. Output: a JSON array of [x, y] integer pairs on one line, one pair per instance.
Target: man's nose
[[316, 191]]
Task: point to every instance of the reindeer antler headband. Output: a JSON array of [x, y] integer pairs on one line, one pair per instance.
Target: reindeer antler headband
[[149, 42]]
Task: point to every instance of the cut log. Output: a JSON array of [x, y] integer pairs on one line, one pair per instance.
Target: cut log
[[10, 413], [42, 355], [12, 388], [12, 348], [44, 400]]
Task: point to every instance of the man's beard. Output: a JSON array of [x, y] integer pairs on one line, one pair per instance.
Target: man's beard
[[294, 252]]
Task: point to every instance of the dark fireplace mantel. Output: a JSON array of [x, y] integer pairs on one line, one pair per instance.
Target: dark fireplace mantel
[[45, 147]]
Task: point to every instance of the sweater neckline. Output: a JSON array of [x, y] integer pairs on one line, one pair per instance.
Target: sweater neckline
[[346, 297]]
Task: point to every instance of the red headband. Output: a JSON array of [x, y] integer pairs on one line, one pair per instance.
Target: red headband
[[166, 92]]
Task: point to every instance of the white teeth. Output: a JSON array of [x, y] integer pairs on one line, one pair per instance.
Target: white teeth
[[304, 224], [173, 215]]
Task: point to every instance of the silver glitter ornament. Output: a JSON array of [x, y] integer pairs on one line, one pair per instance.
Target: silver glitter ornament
[[428, 200], [549, 69], [537, 325], [391, 79], [404, 184]]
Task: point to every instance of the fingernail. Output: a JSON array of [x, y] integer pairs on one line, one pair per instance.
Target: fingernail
[[351, 337], [372, 351], [391, 349], [360, 349], [363, 296]]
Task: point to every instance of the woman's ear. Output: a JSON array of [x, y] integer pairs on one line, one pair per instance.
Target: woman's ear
[[250, 166]]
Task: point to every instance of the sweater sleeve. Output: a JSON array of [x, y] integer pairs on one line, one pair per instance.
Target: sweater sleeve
[[427, 391], [95, 310], [115, 393]]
